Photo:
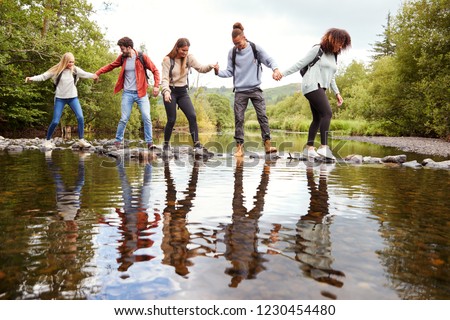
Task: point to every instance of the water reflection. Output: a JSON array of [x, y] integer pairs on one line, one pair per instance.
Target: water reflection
[[176, 236], [313, 239], [61, 273], [135, 227], [241, 236]]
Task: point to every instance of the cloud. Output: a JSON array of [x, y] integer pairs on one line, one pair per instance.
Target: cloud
[[286, 29]]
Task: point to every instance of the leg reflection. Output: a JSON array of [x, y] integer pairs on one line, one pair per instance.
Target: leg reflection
[[135, 226], [241, 236], [313, 242], [176, 236]]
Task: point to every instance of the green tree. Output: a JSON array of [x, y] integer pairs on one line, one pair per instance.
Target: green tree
[[386, 46]]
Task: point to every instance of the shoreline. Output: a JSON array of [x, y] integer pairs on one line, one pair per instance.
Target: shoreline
[[426, 146]]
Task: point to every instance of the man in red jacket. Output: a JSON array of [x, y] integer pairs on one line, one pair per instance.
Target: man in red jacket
[[133, 81]]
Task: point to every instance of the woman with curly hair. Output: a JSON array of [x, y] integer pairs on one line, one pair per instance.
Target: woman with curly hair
[[319, 76]]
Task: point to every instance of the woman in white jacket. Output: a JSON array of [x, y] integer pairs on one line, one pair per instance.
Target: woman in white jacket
[[64, 76], [319, 77]]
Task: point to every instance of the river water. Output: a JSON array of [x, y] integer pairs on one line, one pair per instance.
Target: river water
[[75, 225]]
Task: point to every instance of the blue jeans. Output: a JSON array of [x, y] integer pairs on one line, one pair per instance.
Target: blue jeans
[[128, 98], [75, 105]]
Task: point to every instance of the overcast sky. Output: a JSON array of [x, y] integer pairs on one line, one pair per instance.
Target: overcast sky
[[286, 29]]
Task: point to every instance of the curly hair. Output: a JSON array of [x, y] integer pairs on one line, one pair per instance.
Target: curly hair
[[335, 40]]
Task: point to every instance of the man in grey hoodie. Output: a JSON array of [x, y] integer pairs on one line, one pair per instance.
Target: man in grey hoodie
[[244, 64]]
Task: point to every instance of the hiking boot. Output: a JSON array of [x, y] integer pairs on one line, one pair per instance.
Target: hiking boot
[[268, 148], [117, 144], [325, 152], [84, 144], [310, 153], [239, 150], [48, 145]]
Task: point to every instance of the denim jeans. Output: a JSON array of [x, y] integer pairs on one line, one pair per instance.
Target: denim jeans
[[75, 105], [128, 98]]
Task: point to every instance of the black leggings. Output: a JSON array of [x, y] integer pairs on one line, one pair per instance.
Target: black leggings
[[321, 111], [181, 98]]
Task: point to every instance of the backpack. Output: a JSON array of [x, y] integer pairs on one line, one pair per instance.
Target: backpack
[[172, 65], [141, 59], [316, 58], [255, 54], [58, 78]]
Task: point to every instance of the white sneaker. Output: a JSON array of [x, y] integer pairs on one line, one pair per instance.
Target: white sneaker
[[310, 153], [325, 152], [84, 144], [48, 145]]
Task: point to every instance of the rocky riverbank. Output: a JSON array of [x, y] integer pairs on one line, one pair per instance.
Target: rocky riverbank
[[432, 147]]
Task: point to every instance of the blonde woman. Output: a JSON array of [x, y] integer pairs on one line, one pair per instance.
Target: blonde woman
[[65, 76]]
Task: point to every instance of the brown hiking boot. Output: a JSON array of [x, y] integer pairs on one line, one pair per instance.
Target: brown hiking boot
[[268, 148], [239, 150]]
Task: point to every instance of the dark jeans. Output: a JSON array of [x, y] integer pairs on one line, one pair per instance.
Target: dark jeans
[[240, 105], [321, 111], [181, 98]]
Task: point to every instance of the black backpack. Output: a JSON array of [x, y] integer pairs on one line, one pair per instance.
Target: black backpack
[[316, 58], [141, 59], [255, 54], [58, 78]]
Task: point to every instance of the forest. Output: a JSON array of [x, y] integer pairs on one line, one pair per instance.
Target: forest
[[403, 91]]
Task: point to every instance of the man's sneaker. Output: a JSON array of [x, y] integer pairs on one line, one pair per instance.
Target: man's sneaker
[[325, 152], [84, 144], [117, 144], [310, 153], [48, 145]]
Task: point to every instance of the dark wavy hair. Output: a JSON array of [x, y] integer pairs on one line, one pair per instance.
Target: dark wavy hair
[[126, 42], [335, 38]]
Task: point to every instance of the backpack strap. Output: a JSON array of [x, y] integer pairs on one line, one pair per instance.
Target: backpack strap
[[312, 63], [58, 78], [172, 65], [141, 59], [255, 55]]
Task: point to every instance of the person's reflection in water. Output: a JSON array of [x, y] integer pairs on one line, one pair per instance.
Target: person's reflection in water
[[313, 242], [135, 226], [68, 206], [241, 236], [176, 236], [67, 197]]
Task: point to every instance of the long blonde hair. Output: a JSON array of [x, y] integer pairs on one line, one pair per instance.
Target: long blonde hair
[[62, 64]]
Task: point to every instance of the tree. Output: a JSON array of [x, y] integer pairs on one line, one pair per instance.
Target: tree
[[386, 46]]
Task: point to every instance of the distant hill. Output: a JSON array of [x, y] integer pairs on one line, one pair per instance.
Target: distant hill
[[272, 95]]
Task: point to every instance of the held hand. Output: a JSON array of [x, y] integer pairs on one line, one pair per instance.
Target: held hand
[[167, 97], [339, 100], [95, 77], [216, 68], [277, 75], [155, 91], [27, 79]]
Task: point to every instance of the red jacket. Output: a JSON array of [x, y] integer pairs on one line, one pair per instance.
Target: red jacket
[[141, 80]]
